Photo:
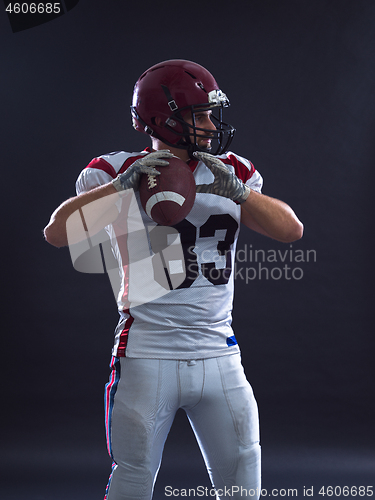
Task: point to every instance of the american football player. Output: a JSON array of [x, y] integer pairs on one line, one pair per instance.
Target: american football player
[[177, 349]]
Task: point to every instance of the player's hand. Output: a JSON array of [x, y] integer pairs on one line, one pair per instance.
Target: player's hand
[[131, 177], [226, 183]]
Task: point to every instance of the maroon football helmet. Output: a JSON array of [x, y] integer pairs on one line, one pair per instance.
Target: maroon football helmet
[[166, 92]]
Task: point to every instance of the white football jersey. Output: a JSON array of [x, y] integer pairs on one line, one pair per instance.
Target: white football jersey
[[175, 292]]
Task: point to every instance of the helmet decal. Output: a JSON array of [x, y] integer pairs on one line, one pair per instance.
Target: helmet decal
[[218, 98]]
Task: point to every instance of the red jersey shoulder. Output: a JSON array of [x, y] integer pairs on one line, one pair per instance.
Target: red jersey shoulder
[[115, 163], [101, 164], [243, 168]]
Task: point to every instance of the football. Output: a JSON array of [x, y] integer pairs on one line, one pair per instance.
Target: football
[[168, 198]]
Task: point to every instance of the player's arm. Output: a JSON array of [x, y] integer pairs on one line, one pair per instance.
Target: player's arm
[[97, 215], [263, 214], [271, 217], [96, 208]]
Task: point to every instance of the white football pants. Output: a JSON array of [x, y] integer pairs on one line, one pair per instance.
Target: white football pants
[[142, 399]]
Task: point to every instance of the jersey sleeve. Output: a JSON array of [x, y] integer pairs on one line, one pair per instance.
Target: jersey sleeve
[[255, 182], [105, 168], [245, 171], [97, 173]]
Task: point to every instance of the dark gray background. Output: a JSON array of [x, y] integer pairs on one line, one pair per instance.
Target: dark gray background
[[300, 76]]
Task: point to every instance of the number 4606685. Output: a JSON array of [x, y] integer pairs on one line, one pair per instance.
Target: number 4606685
[[345, 491], [34, 8]]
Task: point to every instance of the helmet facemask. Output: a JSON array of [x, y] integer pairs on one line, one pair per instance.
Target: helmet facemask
[[189, 133]]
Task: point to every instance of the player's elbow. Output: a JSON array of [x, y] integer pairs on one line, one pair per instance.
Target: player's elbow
[[54, 236], [294, 233], [298, 230]]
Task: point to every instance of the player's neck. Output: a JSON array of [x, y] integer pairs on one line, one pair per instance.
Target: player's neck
[[157, 145]]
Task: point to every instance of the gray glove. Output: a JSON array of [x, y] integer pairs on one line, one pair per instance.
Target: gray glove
[[226, 183], [131, 177]]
